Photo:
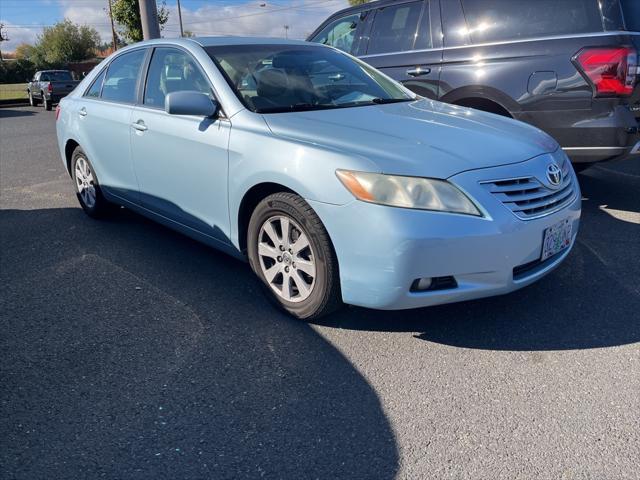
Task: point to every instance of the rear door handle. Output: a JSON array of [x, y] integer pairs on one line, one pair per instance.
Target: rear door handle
[[82, 112], [139, 125], [418, 71]]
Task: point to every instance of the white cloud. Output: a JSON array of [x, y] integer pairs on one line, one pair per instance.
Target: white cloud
[[302, 17], [90, 12], [18, 35]]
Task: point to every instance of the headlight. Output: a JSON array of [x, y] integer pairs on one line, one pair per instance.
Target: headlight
[[407, 192]]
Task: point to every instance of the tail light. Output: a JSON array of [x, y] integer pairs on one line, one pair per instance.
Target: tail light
[[50, 88], [57, 111], [611, 70]]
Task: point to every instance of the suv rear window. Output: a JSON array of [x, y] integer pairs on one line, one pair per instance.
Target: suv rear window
[[498, 20]]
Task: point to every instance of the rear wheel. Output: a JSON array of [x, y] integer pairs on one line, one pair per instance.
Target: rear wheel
[[87, 187], [46, 103], [290, 251]]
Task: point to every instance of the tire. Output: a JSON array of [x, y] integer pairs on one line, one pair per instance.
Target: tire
[[85, 182], [312, 291], [32, 101], [47, 103]]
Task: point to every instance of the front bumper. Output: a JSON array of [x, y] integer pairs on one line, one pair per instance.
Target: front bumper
[[382, 250]]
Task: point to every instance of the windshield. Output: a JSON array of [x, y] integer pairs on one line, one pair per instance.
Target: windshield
[[286, 78]]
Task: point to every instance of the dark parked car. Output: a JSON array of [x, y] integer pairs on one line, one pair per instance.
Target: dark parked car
[[49, 86], [569, 67]]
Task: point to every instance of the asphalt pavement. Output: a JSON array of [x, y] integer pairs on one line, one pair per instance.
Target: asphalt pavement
[[129, 351]]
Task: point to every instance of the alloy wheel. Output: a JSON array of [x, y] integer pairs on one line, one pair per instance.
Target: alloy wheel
[[85, 182], [286, 258]]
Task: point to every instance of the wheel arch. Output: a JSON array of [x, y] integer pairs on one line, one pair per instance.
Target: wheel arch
[[250, 201], [69, 147], [483, 98]]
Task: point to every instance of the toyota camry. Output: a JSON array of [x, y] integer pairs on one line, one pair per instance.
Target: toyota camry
[[337, 184]]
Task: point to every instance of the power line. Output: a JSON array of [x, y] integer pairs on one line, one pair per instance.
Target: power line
[[301, 6], [266, 12]]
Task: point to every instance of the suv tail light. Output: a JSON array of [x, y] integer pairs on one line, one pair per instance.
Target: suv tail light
[[50, 87], [611, 70], [57, 111]]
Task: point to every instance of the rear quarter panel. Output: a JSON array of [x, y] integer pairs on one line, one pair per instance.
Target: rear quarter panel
[[535, 81]]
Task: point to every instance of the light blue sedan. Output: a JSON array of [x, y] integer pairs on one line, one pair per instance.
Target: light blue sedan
[[337, 183]]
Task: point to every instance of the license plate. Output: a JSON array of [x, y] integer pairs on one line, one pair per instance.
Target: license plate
[[556, 238]]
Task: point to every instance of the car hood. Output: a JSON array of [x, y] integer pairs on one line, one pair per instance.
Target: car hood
[[420, 138]]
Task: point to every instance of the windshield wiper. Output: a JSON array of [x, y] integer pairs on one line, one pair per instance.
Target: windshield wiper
[[382, 101], [297, 107]]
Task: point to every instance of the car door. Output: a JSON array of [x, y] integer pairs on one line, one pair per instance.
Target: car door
[[35, 86], [404, 42], [104, 119], [181, 161]]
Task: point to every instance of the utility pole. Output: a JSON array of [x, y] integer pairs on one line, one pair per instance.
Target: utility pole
[[286, 31], [3, 38], [113, 29], [149, 19], [180, 19]]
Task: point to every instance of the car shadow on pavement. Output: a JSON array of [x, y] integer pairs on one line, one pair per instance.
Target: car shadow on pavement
[[592, 300], [6, 112], [130, 351]]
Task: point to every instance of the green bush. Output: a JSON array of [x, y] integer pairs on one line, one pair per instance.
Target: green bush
[[16, 71]]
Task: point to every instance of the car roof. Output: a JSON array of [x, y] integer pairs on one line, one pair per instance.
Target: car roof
[[220, 41]]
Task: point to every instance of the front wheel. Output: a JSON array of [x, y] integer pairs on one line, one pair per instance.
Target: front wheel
[[290, 251], [32, 101]]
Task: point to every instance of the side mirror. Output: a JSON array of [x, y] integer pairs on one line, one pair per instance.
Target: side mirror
[[190, 103]]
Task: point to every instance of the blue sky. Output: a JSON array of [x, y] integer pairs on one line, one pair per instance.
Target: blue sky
[[24, 19]]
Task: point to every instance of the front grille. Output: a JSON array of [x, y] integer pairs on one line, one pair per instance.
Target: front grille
[[528, 198]]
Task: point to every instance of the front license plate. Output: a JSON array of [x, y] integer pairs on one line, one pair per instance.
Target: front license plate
[[556, 238]]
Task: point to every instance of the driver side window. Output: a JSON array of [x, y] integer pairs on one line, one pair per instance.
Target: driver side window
[[172, 70], [340, 33]]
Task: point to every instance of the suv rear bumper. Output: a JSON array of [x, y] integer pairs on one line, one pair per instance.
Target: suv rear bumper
[[598, 154], [604, 132]]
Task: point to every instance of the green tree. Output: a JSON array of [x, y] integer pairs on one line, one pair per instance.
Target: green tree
[[63, 43], [357, 2], [24, 51], [126, 13]]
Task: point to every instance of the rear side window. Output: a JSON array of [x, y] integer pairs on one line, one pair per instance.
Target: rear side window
[[498, 20], [339, 33], [394, 28], [96, 86], [62, 76], [122, 77]]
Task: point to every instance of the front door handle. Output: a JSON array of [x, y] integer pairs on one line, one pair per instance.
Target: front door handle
[[418, 71], [82, 112], [139, 125]]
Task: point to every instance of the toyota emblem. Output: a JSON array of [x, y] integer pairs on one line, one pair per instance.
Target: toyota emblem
[[554, 174]]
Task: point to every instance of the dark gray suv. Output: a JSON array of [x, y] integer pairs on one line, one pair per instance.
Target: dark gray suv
[[569, 67]]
